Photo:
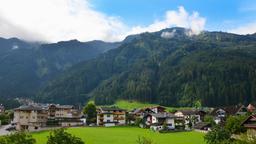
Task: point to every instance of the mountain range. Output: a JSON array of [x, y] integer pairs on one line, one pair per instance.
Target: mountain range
[[171, 67], [27, 66]]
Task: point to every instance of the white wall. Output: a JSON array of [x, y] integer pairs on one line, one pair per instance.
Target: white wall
[[109, 124]]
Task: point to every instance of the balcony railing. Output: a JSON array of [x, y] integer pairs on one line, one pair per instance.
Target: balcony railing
[[118, 113], [118, 118]]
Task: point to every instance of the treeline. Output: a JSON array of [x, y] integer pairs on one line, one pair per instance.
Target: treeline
[[213, 68], [9, 103]]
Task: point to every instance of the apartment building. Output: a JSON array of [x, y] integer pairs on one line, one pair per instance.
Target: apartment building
[[63, 115], [30, 118], [35, 117]]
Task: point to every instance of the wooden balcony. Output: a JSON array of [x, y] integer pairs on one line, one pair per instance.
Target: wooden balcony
[[118, 118], [119, 113]]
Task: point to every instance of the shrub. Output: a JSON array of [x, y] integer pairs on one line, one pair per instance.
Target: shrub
[[17, 138], [144, 140], [218, 135], [60, 136]]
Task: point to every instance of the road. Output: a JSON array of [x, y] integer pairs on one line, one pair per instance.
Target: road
[[3, 131]]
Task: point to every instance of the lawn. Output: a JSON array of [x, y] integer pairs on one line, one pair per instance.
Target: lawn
[[126, 135]]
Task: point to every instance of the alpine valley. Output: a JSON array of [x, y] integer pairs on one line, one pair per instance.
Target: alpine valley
[[170, 67]]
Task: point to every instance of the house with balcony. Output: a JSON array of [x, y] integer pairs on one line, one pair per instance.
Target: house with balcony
[[191, 116], [156, 121], [220, 114], [30, 118], [141, 112], [63, 115], [111, 116], [34, 117]]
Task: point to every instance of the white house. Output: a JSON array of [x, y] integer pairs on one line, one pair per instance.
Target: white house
[[111, 116], [191, 116], [156, 121]]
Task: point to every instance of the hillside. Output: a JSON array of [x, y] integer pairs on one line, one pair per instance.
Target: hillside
[[25, 66], [214, 68]]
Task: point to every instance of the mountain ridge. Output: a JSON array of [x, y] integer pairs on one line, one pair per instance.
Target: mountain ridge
[[175, 71], [26, 66]]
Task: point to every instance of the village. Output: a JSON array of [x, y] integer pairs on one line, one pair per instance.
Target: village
[[37, 117]]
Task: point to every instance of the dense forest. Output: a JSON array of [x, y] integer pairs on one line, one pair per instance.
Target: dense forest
[[214, 68], [27, 66]]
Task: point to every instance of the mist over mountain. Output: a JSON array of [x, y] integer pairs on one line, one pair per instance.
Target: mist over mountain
[[26, 66], [170, 67]]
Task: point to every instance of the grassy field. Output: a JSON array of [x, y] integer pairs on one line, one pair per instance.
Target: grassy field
[[130, 105], [126, 135]]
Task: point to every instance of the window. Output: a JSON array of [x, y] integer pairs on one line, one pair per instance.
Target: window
[[108, 115], [108, 120]]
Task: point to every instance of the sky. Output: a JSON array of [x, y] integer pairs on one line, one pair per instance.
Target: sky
[[113, 20]]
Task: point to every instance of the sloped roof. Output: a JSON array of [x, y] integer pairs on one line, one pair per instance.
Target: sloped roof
[[29, 108], [61, 106], [111, 109], [189, 112], [202, 125], [138, 110], [230, 110], [162, 115], [250, 122], [65, 106]]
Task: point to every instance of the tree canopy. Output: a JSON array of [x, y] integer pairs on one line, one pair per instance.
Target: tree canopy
[[60, 136]]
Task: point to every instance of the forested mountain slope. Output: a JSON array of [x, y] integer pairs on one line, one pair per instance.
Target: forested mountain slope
[[25, 66], [168, 67]]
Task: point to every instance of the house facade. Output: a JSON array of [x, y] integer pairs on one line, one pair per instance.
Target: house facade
[[141, 112], [220, 114], [35, 117], [30, 118], [64, 115], [250, 123], [110, 116], [157, 109], [60, 111], [191, 116], [157, 121]]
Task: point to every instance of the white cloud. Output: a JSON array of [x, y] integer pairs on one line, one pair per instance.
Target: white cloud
[[180, 18], [56, 20], [14, 47], [168, 35], [245, 29]]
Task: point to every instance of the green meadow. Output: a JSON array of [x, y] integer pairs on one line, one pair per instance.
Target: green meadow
[[130, 105], [126, 135]]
